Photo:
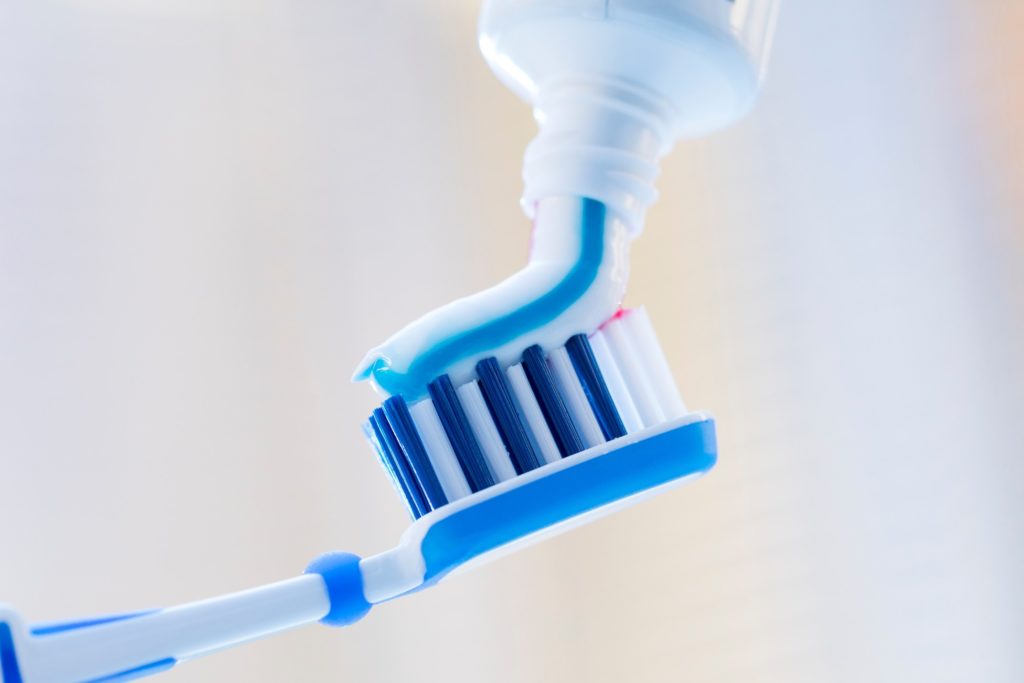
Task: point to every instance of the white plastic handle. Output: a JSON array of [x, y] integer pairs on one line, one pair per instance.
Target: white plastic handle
[[149, 642]]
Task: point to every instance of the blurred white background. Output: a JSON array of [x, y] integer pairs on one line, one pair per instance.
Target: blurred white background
[[210, 210]]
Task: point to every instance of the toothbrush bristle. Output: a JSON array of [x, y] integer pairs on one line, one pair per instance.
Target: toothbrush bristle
[[551, 402], [507, 422]]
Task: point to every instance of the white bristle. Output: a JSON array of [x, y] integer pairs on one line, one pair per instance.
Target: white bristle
[[639, 327], [439, 450], [615, 383], [531, 411], [627, 358], [486, 431], [575, 400]]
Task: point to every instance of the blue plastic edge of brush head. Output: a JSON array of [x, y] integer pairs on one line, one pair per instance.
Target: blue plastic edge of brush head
[[549, 498]]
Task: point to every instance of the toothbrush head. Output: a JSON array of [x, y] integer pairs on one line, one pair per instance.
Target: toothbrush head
[[530, 450]]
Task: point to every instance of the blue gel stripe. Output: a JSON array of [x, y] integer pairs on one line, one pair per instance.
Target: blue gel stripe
[[505, 328], [390, 447], [456, 426], [137, 672], [567, 438], [9, 669], [582, 357], [60, 627], [415, 454], [506, 413]]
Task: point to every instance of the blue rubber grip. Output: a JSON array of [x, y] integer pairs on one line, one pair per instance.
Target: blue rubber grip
[[344, 581]]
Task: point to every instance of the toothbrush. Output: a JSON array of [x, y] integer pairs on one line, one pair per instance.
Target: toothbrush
[[528, 408], [576, 432]]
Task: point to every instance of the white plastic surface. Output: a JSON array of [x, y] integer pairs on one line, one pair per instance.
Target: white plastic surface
[[615, 82], [179, 632]]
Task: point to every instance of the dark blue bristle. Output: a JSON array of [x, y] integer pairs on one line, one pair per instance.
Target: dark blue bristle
[[566, 436], [392, 451], [506, 413], [370, 432], [582, 357], [414, 452], [460, 434]]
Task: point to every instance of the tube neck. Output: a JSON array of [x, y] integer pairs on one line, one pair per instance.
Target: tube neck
[[600, 139]]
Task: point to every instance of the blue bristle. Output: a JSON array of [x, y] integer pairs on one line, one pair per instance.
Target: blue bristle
[[415, 454], [392, 451], [460, 434], [507, 415], [371, 435], [370, 432], [566, 436], [582, 357]]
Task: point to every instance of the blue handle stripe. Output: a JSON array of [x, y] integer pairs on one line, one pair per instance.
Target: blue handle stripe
[[137, 672], [9, 669], [61, 626]]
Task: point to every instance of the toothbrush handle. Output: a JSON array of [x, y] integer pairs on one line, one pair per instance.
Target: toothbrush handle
[[143, 643]]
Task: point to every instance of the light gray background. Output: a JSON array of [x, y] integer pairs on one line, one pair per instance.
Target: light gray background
[[209, 210]]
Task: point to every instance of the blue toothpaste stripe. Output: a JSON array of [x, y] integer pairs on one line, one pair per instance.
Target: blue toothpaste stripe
[[505, 328]]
